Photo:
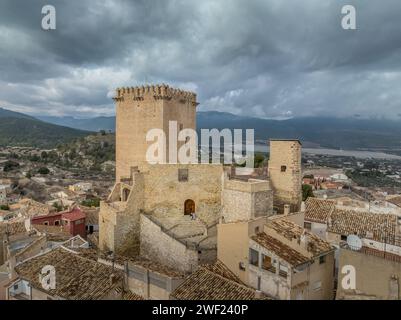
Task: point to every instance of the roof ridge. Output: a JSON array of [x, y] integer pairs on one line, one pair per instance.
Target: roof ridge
[[222, 277]]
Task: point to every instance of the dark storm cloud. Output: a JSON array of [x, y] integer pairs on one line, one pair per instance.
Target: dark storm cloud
[[267, 58]]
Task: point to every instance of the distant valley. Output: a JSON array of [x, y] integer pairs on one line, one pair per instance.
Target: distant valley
[[314, 132]]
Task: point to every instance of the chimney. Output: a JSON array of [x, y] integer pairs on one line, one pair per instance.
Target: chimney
[[287, 209], [113, 279], [305, 239]]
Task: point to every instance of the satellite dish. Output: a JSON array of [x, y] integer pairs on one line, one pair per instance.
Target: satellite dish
[[354, 242], [240, 160]]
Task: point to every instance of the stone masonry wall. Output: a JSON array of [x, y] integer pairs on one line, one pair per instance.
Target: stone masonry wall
[[287, 185], [160, 247]]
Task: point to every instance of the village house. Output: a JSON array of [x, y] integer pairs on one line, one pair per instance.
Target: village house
[[72, 221], [288, 262], [30, 208], [377, 231], [377, 274], [81, 187], [145, 278], [271, 253], [6, 215], [4, 191], [214, 282]]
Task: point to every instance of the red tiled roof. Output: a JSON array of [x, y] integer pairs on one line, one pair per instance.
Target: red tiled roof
[[73, 215], [51, 215]]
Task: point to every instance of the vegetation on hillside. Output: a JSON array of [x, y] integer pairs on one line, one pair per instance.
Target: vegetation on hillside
[[34, 133], [90, 152], [372, 178]]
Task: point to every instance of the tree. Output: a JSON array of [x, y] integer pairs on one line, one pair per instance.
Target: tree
[[307, 192], [94, 202], [58, 207], [43, 170], [259, 159], [4, 207], [34, 158], [10, 165]]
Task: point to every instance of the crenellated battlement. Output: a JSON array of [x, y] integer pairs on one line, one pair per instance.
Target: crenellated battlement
[[157, 92]]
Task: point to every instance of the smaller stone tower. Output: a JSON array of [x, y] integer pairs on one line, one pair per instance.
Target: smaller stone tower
[[285, 174], [246, 205]]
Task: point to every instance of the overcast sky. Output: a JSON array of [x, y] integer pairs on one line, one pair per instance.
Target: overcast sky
[[267, 58]]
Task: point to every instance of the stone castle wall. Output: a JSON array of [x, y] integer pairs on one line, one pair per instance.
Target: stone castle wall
[[159, 246], [165, 194]]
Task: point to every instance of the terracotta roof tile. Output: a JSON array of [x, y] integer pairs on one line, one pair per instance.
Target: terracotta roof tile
[[318, 210], [291, 231], [12, 228], [77, 278], [205, 284], [288, 254], [382, 227], [137, 261]]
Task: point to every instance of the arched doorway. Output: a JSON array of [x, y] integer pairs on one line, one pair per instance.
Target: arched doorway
[[189, 206], [126, 193]]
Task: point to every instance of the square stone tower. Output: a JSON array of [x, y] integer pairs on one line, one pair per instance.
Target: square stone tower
[[285, 174], [140, 109]]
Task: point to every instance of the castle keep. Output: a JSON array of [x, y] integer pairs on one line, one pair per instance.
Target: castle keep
[[140, 109], [170, 213]]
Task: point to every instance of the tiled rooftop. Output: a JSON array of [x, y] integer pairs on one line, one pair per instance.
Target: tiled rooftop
[[219, 268], [77, 278], [280, 249], [128, 295], [31, 208], [12, 228], [53, 233], [377, 253], [138, 261], [291, 231], [318, 210], [213, 283], [381, 226], [74, 214]]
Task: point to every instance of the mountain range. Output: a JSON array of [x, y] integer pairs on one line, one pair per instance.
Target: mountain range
[[325, 132], [18, 129]]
